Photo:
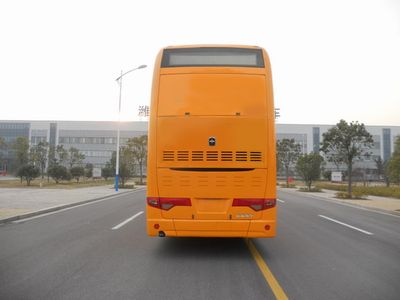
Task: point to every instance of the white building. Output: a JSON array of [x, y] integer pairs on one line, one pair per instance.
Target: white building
[[97, 140]]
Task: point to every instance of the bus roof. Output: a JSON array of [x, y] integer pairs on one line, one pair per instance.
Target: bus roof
[[213, 56], [213, 46]]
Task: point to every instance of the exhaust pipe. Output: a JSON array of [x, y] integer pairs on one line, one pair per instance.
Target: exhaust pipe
[[161, 234]]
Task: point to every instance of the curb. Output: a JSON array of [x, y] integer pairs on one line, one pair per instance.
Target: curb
[[379, 210], [60, 207]]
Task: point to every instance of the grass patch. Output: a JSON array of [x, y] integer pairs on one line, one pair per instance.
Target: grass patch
[[127, 186], [361, 191], [312, 190], [52, 184], [356, 196], [291, 185]]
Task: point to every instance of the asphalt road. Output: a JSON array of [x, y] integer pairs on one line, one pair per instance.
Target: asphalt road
[[76, 254]]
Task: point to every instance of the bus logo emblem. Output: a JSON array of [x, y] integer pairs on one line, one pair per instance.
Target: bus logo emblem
[[211, 141]]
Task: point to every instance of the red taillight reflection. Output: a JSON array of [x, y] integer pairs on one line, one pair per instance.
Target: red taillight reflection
[[268, 203], [255, 204], [153, 201], [168, 203]]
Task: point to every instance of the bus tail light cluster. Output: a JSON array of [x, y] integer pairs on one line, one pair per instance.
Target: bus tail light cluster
[[255, 204], [168, 203]]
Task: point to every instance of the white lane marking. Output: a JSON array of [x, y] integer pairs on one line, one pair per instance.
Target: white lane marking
[[347, 204], [347, 225], [79, 205], [126, 221], [281, 201]]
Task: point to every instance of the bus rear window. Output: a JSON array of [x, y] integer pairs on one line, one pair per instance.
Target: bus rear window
[[208, 57]]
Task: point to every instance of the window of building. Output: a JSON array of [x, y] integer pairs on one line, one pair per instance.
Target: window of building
[[109, 140]]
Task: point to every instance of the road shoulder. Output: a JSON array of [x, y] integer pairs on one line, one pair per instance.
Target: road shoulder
[[374, 203], [16, 204]]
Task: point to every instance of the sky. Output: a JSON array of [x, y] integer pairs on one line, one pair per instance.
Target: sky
[[330, 60]]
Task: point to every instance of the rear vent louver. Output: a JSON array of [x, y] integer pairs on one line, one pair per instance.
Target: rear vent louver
[[212, 155], [226, 156], [183, 155], [168, 156], [238, 156], [255, 156], [197, 155], [241, 156]]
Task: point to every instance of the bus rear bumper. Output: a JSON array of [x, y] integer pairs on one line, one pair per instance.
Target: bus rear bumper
[[212, 228]]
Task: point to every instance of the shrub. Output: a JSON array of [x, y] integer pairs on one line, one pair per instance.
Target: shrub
[[342, 195], [359, 194], [89, 170], [327, 175], [58, 172], [28, 172], [127, 186], [355, 195], [107, 172], [77, 172]]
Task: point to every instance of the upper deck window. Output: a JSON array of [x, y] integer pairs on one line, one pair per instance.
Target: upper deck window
[[210, 57]]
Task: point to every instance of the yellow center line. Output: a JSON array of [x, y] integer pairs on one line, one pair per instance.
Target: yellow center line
[[269, 277]]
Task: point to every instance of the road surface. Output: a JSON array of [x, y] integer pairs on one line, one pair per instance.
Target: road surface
[[323, 250]]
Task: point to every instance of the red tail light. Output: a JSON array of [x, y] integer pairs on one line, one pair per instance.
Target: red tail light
[[168, 203], [255, 204], [153, 202]]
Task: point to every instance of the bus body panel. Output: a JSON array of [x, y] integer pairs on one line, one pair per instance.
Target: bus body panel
[[212, 95], [184, 142], [213, 228], [209, 185], [212, 193]]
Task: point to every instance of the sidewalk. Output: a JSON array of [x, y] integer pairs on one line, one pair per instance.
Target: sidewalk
[[391, 205], [20, 201]]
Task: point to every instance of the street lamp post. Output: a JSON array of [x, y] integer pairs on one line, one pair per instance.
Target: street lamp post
[[119, 80]]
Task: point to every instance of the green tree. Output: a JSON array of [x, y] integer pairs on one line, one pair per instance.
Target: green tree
[[382, 169], [138, 148], [3, 144], [62, 155], [394, 163], [287, 152], [346, 142], [51, 156], [308, 166], [57, 156], [89, 170], [58, 173], [3, 147], [125, 164], [107, 172], [28, 172], [21, 148], [38, 155], [75, 157], [327, 174], [77, 172]]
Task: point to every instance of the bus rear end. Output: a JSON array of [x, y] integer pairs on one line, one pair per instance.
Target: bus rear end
[[211, 159]]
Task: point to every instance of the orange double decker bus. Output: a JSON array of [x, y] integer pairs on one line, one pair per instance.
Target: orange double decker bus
[[211, 153]]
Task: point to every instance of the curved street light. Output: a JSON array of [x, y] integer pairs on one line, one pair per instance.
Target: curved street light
[[119, 80]]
